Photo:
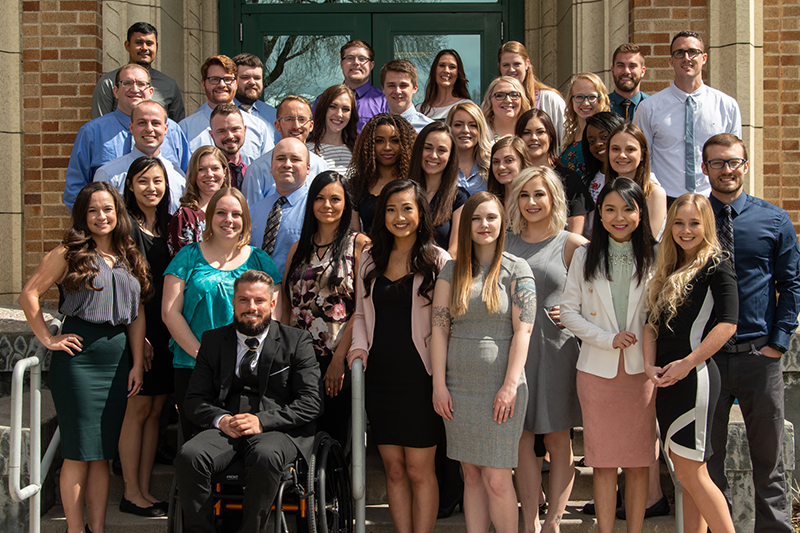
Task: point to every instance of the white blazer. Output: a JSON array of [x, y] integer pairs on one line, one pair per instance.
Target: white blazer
[[587, 310]]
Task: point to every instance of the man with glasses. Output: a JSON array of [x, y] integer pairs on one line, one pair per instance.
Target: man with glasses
[[218, 75], [399, 82], [762, 241], [294, 120], [357, 64], [679, 119], [142, 45], [106, 138]]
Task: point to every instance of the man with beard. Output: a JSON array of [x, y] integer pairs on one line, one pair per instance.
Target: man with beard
[[142, 45], [250, 87], [627, 69], [228, 131], [255, 389]]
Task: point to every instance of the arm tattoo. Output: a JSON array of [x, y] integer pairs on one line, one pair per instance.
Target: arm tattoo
[[525, 298], [441, 317]]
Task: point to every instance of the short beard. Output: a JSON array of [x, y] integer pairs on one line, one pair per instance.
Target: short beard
[[253, 330], [244, 99], [145, 64]]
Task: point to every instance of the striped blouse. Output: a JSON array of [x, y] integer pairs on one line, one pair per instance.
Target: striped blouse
[[116, 303], [337, 156]]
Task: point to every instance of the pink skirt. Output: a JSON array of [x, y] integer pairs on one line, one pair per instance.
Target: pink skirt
[[619, 419]]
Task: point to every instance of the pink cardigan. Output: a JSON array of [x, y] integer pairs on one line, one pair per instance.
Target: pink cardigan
[[364, 317]]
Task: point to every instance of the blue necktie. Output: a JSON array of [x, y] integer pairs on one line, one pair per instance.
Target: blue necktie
[[689, 145]]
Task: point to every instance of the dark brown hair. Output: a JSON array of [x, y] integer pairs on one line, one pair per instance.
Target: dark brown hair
[[448, 188], [350, 132]]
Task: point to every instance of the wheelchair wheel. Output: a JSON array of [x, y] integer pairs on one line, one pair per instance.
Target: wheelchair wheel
[[332, 496]]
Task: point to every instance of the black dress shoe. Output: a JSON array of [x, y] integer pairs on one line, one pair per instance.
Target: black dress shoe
[[589, 507], [660, 508], [126, 506]]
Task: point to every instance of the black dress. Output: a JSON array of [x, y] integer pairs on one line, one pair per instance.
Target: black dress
[[685, 410], [579, 201], [441, 233], [398, 389]]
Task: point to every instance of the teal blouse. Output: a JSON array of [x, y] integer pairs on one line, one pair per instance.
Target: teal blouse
[[620, 262], [208, 294]]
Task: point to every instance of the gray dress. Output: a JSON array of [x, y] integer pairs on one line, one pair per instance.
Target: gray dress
[[477, 359], [553, 352]]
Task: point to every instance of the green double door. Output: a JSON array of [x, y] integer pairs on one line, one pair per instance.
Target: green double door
[[299, 43]]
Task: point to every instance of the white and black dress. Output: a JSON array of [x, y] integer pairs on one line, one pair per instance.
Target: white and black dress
[[685, 410]]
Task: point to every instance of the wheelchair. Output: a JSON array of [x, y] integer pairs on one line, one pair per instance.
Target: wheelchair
[[318, 492]]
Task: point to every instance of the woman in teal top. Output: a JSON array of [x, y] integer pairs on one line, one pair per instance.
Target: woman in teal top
[[198, 284]]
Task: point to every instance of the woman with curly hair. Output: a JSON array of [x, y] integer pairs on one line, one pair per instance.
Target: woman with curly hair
[[103, 281], [587, 95], [334, 134], [512, 60], [473, 144], [693, 308], [208, 172], [503, 103], [447, 85], [382, 153]]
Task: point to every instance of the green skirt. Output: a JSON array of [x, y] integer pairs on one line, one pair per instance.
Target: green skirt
[[90, 390]]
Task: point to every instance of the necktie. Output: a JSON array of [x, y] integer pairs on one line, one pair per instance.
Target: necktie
[[273, 223], [689, 145], [247, 366], [246, 108], [725, 230], [626, 104], [236, 175]]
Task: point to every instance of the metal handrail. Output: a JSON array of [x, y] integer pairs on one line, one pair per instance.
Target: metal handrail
[[678, 490], [359, 471]]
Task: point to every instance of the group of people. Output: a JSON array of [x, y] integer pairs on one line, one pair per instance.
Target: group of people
[[506, 272]]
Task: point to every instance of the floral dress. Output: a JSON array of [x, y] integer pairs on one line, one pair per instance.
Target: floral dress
[[185, 227]]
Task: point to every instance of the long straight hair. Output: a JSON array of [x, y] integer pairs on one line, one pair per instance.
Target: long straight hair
[[549, 128], [483, 148], [139, 166], [448, 188], [327, 97], [642, 177], [467, 266], [459, 90], [305, 246], [641, 239], [422, 257]]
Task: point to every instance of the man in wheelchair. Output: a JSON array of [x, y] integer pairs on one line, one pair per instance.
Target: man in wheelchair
[[255, 389]]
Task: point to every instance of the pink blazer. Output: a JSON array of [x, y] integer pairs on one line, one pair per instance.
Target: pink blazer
[[364, 317]]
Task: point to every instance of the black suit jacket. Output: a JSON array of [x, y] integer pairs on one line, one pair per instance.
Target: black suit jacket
[[288, 378]]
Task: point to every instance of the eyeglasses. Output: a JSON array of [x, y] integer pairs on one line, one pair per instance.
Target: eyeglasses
[[356, 59], [580, 98], [719, 164], [691, 53], [301, 120], [227, 80], [500, 96], [127, 84]]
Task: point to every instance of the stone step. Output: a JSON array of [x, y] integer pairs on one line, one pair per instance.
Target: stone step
[[160, 484]]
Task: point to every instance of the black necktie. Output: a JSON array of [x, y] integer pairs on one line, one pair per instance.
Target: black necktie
[[236, 175], [626, 104], [247, 366], [725, 229], [273, 223]]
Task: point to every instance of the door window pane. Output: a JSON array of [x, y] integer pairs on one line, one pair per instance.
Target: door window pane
[[421, 50], [304, 65], [372, 1]]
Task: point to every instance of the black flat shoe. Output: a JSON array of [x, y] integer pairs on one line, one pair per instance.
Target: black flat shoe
[[543, 509], [589, 507], [660, 508], [126, 506], [160, 505]]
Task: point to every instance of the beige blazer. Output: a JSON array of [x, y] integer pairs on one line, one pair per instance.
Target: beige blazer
[[587, 310]]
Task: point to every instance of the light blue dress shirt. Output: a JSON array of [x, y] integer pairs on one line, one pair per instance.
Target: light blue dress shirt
[[116, 171], [291, 223], [265, 112], [257, 140], [474, 182], [258, 182], [106, 138], [415, 118]]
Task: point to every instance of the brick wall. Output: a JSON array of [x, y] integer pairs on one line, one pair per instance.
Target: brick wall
[[782, 105], [61, 42]]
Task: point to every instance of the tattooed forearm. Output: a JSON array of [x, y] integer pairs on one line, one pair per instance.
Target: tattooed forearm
[[441, 317], [525, 298]]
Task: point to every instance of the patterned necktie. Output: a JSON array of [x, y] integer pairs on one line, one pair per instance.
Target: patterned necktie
[[725, 229], [247, 366], [626, 104], [236, 175], [247, 108], [690, 176], [273, 223]]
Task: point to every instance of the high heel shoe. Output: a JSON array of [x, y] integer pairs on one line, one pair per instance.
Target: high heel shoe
[[447, 512]]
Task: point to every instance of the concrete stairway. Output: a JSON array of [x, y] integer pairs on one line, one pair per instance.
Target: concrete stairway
[[378, 517]]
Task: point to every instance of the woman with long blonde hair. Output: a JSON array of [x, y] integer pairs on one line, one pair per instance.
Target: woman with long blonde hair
[[693, 310], [473, 145], [587, 95], [484, 305]]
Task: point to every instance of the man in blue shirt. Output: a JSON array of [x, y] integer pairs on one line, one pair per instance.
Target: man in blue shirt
[[106, 138], [399, 82], [767, 259], [627, 69], [250, 87], [289, 169], [219, 83], [148, 127]]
